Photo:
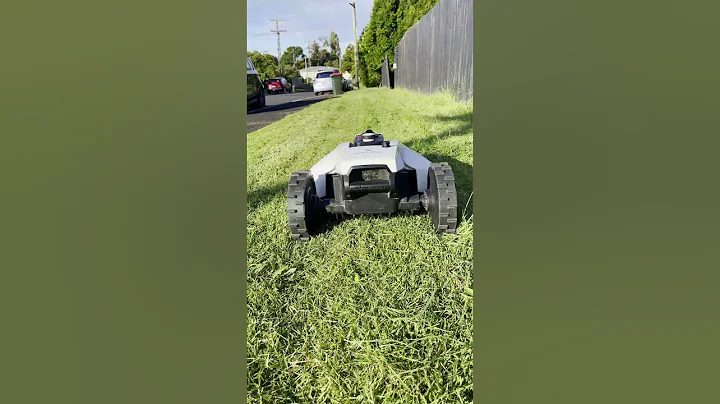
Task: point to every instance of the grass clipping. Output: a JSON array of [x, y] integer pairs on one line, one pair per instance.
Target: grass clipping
[[375, 309]]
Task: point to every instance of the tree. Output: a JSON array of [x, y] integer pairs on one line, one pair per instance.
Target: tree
[[411, 11], [325, 51], [315, 53], [265, 64], [290, 59], [325, 55], [334, 45], [292, 55], [348, 61], [377, 39], [368, 78]]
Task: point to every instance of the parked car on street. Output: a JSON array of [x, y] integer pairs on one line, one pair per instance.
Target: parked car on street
[[278, 85], [255, 88], [323, 82]]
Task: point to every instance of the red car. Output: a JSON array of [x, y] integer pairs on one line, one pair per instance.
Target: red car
[[278, 85]]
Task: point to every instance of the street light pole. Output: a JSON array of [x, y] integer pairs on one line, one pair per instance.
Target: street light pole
[[357, 59]]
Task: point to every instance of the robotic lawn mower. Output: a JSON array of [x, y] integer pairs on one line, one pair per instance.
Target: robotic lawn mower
[[371, 176]]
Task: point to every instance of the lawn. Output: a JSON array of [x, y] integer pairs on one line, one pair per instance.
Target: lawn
[[375, 309]]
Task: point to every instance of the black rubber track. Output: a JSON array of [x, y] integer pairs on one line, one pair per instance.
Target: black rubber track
[[301, 209], [443, 207]]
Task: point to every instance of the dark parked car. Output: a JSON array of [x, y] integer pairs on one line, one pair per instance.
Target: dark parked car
[[278, 85], [255, 87]]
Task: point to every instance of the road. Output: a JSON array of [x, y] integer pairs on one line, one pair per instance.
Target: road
[[279, 105]]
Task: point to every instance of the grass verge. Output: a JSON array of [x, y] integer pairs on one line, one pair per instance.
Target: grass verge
[[375, 309]]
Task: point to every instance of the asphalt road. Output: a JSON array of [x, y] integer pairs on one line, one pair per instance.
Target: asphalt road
[[279, 105]]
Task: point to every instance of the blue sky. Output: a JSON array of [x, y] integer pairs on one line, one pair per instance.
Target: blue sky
[[304, 20]]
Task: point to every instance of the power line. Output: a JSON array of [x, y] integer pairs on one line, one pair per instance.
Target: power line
[[278, 31]]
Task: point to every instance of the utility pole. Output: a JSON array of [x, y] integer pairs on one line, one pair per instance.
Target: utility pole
[[278, 31], [357, 60], [308, 54]]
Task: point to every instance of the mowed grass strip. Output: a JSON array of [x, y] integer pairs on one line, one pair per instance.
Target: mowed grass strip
[[375, 309]]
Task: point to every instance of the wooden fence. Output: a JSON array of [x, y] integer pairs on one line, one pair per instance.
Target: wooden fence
[[437, 52]]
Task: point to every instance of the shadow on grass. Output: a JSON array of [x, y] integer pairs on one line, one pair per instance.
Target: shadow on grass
[[258, 197], [287, 106], [460, 125]]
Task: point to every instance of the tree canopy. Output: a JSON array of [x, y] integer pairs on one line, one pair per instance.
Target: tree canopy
[[334, 46], [292, 55], [348, 60], [265, 64], [325, 51], [292, 61]]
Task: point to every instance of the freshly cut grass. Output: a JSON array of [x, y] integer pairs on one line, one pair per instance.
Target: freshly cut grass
[[375, 309]]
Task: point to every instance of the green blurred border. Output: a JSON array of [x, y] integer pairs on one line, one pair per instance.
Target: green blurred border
[[477, 197], [243, 214], [123, 202], [596, 202]]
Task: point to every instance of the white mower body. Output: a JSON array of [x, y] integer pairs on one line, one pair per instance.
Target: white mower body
[[395, 157]]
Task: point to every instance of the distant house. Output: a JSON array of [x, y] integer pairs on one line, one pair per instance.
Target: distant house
[[309, 73]]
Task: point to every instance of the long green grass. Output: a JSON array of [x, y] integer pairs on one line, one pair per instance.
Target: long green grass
[[374, 309]]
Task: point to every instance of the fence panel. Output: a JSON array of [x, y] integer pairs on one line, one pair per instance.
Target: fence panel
[[386, 74], [437, 52]]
